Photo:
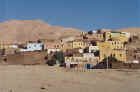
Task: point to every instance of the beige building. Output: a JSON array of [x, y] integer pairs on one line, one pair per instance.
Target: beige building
[[81, 59], [80, 44], [66, 46], [96, 36]]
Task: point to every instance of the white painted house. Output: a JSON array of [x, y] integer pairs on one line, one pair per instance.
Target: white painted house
[[33, 47], [88, 55], [93, 48], [81, 51], [13, 46]]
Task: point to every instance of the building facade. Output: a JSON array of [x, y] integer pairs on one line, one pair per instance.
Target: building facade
[[33, 47], [80, 44], [121, 36], [119, 55]]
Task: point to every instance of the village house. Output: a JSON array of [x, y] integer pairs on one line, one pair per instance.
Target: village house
[[8, 48], [33, 46], [103, 45], [66, 46], [64, 40], [80, 44], [95, 36], [116, 44], [120, 55], [82, 58], [104, 30], [83, 33], [121, 36], [88, 55], [78, 57], [50, 45], [93, 48], [11, 51], [113, 49], [5, 46], [110, 45], [81, 50]]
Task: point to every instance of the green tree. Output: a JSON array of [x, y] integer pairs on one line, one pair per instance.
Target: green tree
[[60, 57], [51, 62]]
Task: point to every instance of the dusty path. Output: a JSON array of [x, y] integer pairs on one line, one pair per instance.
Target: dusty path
[[42, 79]]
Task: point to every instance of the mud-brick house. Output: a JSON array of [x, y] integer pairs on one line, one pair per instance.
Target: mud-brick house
[[50, 45], [9, 45], [8, 48]]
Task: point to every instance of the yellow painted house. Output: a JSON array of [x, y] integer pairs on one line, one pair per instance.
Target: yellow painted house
[[120, 55], [100, 36], [112, 49], [121, 36], [110, 45]]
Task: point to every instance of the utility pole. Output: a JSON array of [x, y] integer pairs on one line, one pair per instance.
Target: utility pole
[[107, 62]]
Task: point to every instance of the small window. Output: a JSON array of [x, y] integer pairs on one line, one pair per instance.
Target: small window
[[113, 55], [104, 55]]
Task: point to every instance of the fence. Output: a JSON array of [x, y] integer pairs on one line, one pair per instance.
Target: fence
[[79, 67]]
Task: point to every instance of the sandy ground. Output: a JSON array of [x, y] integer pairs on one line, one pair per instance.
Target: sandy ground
[[46, 79]]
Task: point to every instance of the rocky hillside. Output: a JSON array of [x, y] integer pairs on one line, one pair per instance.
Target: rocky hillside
[[133, 31], [25, 30]]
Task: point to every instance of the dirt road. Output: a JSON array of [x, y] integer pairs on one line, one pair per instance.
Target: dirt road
[[45, 79]]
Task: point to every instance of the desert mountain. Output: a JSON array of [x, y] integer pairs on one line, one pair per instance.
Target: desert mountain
[[13, 31], [130, 30]]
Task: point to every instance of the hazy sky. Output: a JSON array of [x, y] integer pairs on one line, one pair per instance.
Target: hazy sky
[[81, 14]]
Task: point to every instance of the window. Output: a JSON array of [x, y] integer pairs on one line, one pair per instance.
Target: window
[[113, 55], [104, 55]]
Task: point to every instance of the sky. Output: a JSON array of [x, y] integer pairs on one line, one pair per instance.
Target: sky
[[80, 14]]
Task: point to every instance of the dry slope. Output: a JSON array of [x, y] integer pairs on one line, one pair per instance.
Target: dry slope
[[130, 30], [25, 30]]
